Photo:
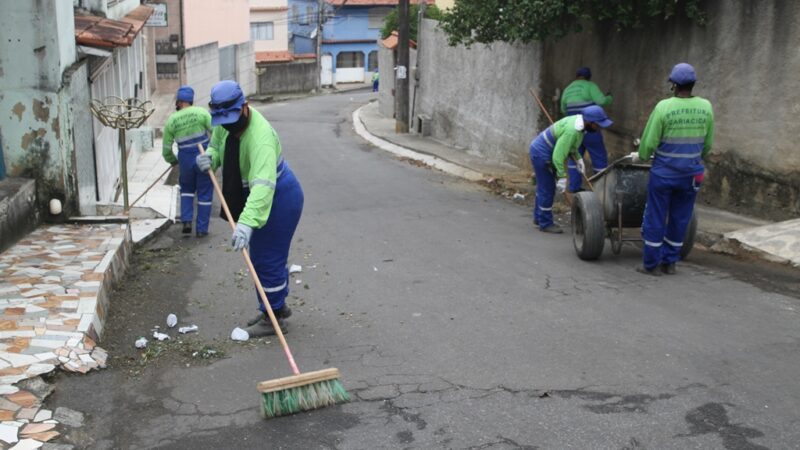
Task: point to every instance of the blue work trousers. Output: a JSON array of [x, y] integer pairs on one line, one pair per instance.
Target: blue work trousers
[[194, 183], [670, 203], [269, 245], [593, 142], [545, 189]]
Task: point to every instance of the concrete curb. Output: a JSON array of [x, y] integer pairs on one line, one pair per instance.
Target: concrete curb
[[403, 152]]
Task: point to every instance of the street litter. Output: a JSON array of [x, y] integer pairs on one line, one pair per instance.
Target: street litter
[[140, 343], [294, 268], [298, 281], [160, 336], [239, 334], [519, 196], [375, 268], [172, 320], [189, 329]]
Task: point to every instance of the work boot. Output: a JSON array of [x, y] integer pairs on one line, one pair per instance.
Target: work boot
[[653, 272], [282, 313], [668, 269], [187, 228], [555, 229], [201, 234], [263, 327]]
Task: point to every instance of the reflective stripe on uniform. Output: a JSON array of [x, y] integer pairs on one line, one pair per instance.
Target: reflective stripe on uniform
[[579, 105], [204, 203], [652, 244], [185, 139], [547, 139], [187, 195], [674, 244], [546, 209], [679, 155], [266, 183], [277, 288]]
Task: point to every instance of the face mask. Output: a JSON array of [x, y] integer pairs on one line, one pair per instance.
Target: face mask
[[238, 126]]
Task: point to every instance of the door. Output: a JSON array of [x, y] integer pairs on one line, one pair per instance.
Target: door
[[227, 63], [326, 75]]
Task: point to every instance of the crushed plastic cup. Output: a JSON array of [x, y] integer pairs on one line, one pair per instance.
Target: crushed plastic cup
[[160, 336], [295, 268], [140, 343], [239, 334], [172, 320], [189, 329]]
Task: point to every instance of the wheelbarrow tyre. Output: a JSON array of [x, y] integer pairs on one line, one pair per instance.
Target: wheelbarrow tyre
[[688, 240], [588, 226]]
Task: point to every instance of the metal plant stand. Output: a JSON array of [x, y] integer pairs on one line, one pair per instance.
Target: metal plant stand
[[122, 115]]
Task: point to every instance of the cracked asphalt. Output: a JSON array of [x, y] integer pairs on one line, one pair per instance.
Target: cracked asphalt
[[455, 325]]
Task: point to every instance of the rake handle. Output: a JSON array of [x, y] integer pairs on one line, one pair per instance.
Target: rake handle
[[544, 110], [262, 294], [147, 190]]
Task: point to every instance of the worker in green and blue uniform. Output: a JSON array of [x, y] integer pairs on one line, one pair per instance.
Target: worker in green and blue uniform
[[580, 94], [376, 78], [264, 197], [549, 152], [678, 135], [188, 126]]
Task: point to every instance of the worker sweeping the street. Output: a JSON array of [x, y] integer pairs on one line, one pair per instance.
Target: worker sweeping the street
[[264, 197], [188, 126], [678, 135], [376, 79], [549, 152], [580, 94]]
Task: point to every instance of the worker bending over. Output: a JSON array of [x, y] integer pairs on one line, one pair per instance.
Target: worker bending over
[[580, 94], [262, 193], [678, 136], [549, 152]]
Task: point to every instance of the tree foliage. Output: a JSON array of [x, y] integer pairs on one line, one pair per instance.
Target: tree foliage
[[523, 21], [391, 22]]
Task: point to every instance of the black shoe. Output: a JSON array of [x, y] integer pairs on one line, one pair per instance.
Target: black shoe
[[653, 272], [668, 269], [536, 222], [201, 234], [283, 313], [263, 327], [555, 229], [187, 228]]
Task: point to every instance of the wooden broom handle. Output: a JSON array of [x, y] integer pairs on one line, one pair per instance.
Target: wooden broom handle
[[147, 190], [262, 294]]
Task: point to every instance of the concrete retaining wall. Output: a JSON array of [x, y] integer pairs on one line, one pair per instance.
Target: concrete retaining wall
[[246, 68], [299, 76], [478, 98], [202, 71], [19, 214]]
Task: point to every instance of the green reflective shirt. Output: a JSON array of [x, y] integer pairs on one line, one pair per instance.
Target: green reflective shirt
[[259, 155], [569, 135], [188, 126], [580, 94]]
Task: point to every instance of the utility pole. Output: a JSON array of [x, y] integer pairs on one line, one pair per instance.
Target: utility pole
[[320, 13], [401, 73]]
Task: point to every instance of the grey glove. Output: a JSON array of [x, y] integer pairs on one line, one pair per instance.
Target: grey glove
[[561, 185], [241, 237], [635, 157], [203, 162]]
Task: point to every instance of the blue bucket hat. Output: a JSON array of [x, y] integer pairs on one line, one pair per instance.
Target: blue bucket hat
[[226, 102], [185, 94], [584, 72], [596, 114], [682, 74]]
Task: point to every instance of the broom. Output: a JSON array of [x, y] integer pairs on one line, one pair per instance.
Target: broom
[[301, 391]]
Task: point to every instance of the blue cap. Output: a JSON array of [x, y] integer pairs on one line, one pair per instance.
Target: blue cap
[[226, 102], [584, 72], [596, 114], [682, 74], [185, 94]]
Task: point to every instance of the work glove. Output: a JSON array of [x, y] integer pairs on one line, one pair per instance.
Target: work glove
[[241, 237], [203, 163], [581, 166], [635, 157], [561, 185]]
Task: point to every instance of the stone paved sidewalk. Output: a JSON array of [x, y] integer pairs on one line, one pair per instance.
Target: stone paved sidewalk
[[54, 287]]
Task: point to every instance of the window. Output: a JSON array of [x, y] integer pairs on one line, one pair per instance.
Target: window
[[377, 16], [309, 15], [295, 13], [372, 62], [349, 60], [261, 31]]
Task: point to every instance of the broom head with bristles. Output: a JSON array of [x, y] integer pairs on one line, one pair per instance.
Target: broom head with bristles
[[304, 392]]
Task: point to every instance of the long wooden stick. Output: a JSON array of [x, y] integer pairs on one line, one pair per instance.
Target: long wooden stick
[[262, 294], [146, 190], [544, 110]]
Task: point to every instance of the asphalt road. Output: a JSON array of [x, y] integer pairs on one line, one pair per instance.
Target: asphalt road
[[455, 325]]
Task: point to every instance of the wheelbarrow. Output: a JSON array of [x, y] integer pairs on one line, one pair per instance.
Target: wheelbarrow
[[615, 205]]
